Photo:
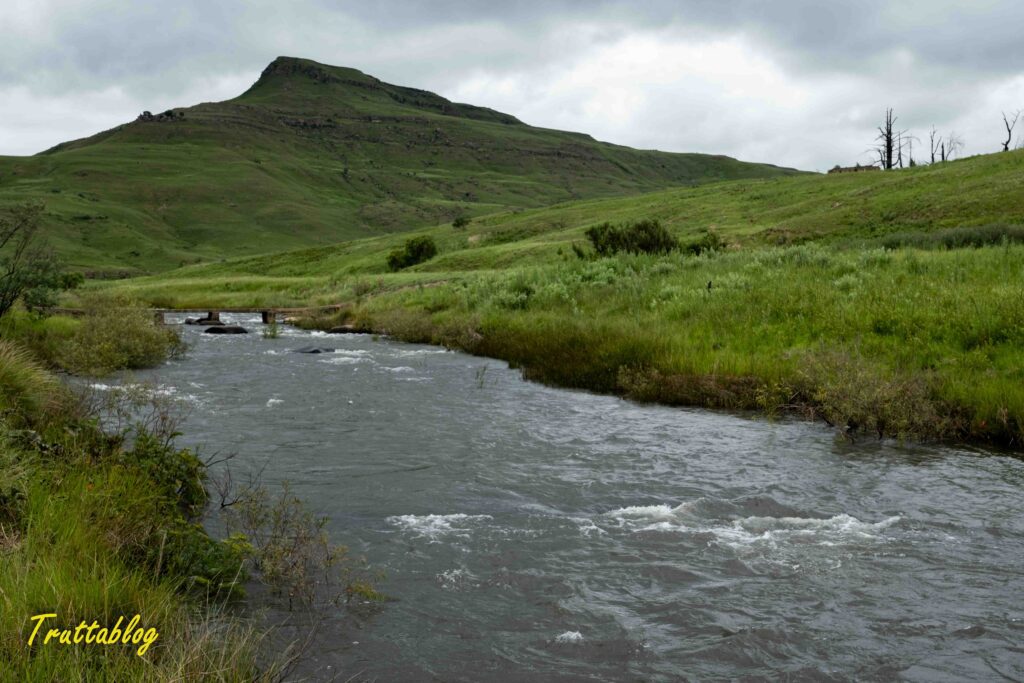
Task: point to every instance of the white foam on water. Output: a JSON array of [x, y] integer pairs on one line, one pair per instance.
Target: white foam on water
[[163, 390], [274, 401], [587, 526], [644, 512], [417, 352], [454, 579], [749, 531], [569, 637], [827, 532], [344, 360], [400, 368], [434, 526]]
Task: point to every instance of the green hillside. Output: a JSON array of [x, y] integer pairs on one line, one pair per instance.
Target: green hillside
[[314, 154], [890, 303], [864, 209]]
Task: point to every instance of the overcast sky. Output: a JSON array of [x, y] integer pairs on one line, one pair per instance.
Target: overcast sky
[[795, 82]]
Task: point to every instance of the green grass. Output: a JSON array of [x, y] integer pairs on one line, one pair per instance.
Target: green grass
[[80, 519], [314, 154], [807, 310]]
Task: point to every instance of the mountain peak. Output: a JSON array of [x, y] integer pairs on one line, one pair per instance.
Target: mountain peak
[[295, 81], [296, 67]]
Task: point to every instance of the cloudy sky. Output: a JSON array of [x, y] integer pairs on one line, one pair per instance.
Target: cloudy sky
[[796, 82]]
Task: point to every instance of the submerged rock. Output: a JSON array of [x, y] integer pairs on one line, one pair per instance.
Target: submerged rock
[[226, 329], [203, 321], [313, 349]]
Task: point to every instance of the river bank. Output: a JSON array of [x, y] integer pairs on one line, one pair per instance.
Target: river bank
[[108, 568], [922, 345]]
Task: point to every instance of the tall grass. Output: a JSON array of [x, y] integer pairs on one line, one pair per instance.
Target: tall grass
[[62, 557], [26, 388], [907, 343]]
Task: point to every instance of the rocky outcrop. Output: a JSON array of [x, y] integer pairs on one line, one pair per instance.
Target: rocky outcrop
[[167, 116]]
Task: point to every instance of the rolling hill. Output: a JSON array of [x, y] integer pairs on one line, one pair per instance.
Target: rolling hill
[[314, 154]]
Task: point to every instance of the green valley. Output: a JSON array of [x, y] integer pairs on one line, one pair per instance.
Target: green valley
[[315, 154]]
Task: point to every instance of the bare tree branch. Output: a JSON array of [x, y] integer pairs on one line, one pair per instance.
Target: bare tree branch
[[1010, 122]]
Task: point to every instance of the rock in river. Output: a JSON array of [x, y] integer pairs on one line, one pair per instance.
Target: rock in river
[[313, 349], [225, 329]]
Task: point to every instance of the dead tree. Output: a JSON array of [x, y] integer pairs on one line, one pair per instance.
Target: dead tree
[[954, 145], [934, 141], [887, 140], [1010, 122]]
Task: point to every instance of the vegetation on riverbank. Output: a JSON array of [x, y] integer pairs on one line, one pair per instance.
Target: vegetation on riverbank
[[101, 517], [889, 303], [94, 526]]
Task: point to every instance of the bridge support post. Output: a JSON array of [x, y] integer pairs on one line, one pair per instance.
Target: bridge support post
[[268, 317], [213, 315]]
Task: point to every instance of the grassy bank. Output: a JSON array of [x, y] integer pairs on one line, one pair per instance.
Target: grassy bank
[[93, 527], [919, 344], [102, 520], [885, 303]]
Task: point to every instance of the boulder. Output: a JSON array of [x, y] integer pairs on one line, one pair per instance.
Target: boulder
[[203, 321], [225, 329]]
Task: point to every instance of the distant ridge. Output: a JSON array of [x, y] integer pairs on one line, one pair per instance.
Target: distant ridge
[[313, 154]]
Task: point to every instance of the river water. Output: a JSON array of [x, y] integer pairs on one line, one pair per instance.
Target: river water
[[532, 533]]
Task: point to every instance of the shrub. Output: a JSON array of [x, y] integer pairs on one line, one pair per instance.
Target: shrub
[[416, 250], [460, 222], [640, 237], [117, 333], [27, 270], [711, 241]]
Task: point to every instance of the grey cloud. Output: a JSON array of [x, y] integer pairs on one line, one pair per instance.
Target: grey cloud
[[936, 61]]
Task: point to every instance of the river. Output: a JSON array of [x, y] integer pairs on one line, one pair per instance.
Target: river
[[534, 533]]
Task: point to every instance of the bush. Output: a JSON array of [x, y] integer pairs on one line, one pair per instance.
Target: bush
[[416, 250], [641, 237], [460, 222], [115, 334], [711, 241]]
